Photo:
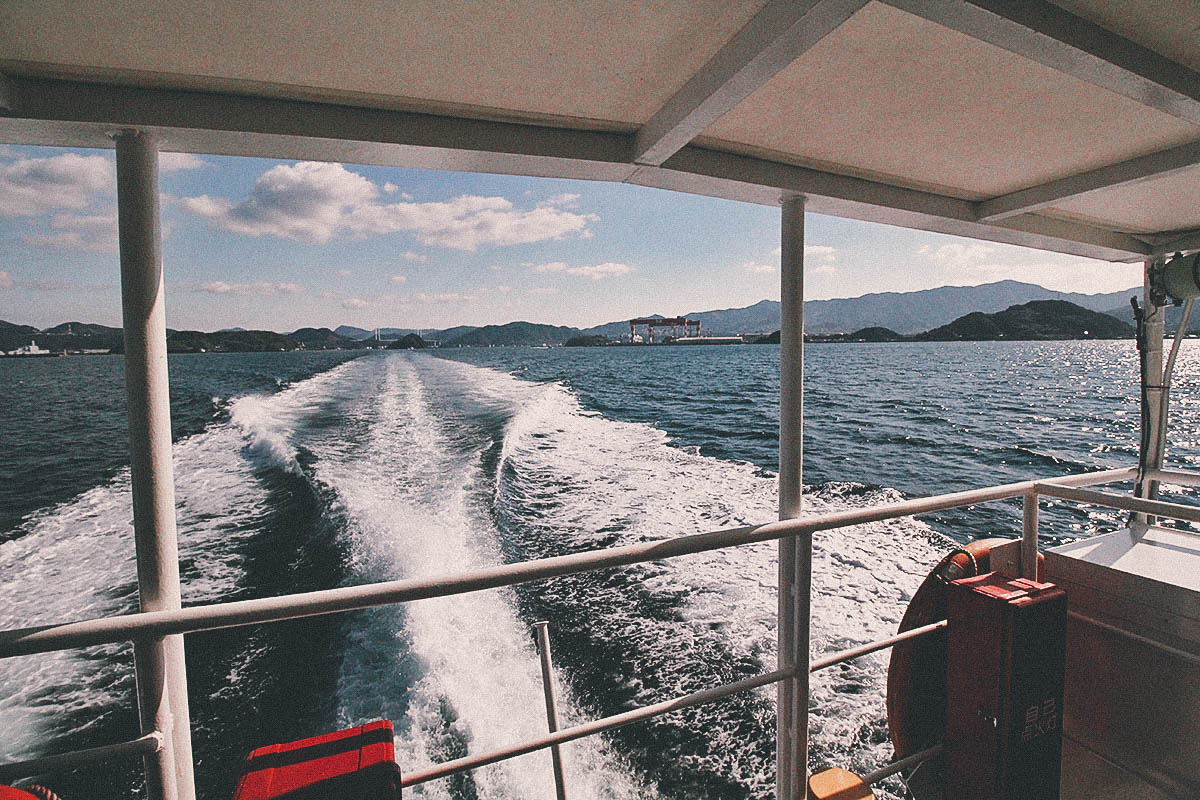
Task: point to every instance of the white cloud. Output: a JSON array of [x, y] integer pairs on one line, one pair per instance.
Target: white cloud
[[595, 272], [600, 271], [503, 289], [415, 257], [47, 285], [390, 187], [307, 202], [823, 269], [543, 290], [754, 268], [314, 202], [259, 289], [445, 297], [177, 162], [344, 273], [355, 303], [94, 233], [31, 186], [820, 252], [962, 254], [565, 199], [6, 280], [398, 280]]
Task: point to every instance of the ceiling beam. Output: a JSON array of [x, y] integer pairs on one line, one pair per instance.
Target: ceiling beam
[[774, 38], [1053, 37], [73, 113], [1154, 165], [699, 170], [1180, 242]]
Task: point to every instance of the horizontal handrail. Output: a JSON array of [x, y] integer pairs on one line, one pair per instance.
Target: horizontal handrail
[[862, 650], [1156, 508], [84, 633], [447, 768], [145, 745], [1175, 476], [888, 770]]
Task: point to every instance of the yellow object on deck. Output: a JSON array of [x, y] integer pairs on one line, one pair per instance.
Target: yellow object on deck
[[838, 784]]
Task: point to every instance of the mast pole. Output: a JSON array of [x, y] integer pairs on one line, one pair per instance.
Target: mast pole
[[795, 553], [159, 663], [1150, 341]]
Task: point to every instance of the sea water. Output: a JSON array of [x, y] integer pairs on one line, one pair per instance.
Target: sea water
[[301, 471]]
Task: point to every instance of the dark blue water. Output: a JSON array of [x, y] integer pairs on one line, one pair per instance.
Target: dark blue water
[[298, 471]]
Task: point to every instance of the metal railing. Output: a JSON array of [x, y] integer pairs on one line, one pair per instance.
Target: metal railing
[[155, 624]]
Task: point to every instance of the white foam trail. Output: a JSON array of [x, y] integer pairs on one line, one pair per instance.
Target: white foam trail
[[75, 560], [598, 481], [407, 495]]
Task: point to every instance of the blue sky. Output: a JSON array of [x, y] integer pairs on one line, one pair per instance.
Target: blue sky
[[279, 245]]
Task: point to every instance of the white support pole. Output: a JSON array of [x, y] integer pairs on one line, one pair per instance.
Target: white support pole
[[542, 632], [1153, 327], [161, 673], [795, 554], [1029, 536]]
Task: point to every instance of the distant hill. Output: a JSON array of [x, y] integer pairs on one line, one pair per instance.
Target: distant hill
[[912, 312], [513, 334], [351, 332], [317, 339], [228, 342], [81, 329], [588, 340], [903, 312], [81, 336], [429, 334], [409, 341], [13, 336], [1036, 320], [1173, 315]]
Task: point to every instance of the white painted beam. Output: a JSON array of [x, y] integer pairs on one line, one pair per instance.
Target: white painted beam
[[1154, 165], [774, 38], [735, 177], [78, 114], [73, 113], [1180, 242], [1049, 35], [795, 553]]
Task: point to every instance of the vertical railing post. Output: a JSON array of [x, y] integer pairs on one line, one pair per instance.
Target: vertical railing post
[[1150, 343], [1029, 537], [159, 663], [795, 553], [542, 630]]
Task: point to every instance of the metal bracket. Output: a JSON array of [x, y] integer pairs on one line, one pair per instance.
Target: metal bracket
[[1157, 294]]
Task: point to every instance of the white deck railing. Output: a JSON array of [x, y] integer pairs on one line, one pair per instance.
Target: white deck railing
[[128, 627]]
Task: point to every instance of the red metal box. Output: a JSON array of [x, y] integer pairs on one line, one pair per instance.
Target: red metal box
[[1006, 643], [355, 763]]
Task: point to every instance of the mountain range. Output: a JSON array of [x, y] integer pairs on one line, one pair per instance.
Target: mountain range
[[905, 313]]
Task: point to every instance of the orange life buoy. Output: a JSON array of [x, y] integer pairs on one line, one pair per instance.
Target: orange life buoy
[[916, 685]]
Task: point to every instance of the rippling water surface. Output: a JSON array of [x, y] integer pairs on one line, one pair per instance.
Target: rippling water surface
[[299, 471]]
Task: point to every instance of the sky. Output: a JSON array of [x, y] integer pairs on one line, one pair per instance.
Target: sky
[[279, 245]]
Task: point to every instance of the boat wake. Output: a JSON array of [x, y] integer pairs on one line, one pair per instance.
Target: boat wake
[[410, 466]]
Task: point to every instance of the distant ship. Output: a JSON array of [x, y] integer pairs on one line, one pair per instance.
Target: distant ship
[[30, 350]]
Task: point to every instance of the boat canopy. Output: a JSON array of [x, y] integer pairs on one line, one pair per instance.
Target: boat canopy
[[1071, 126]]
